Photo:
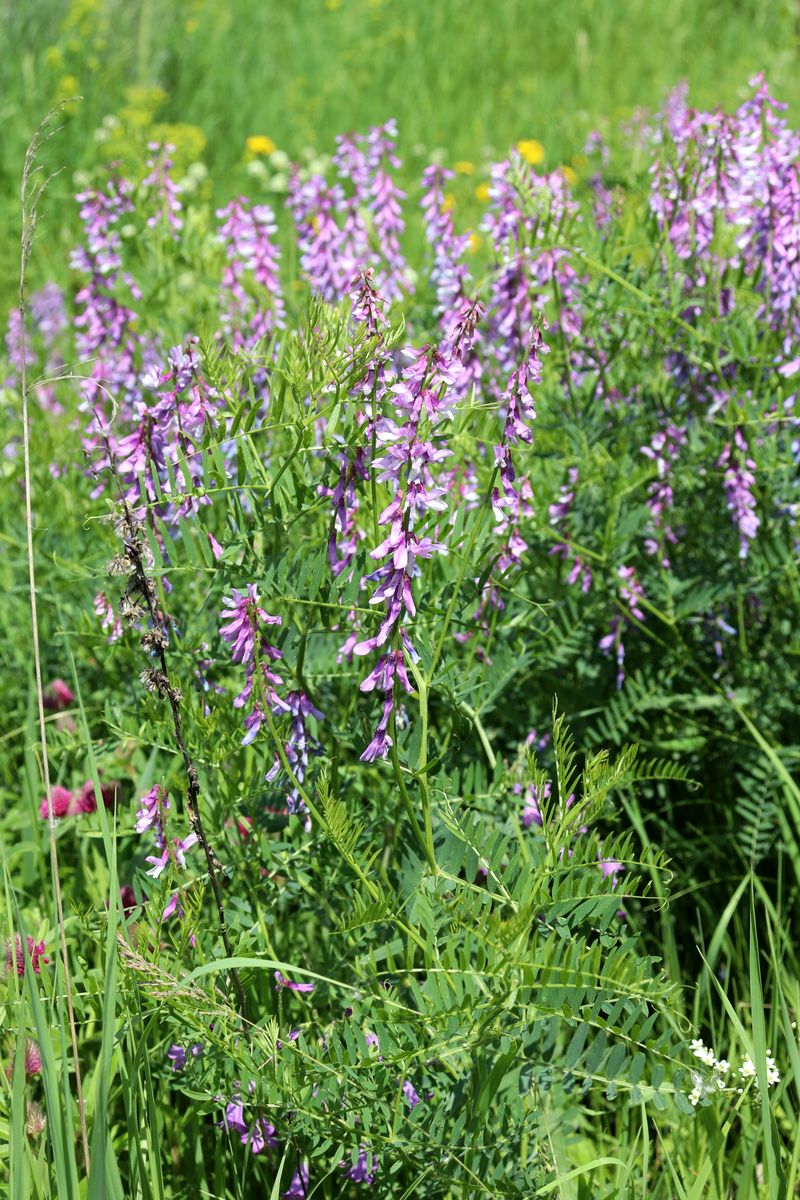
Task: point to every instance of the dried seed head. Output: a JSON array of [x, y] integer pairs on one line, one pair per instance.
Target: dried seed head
[[154, 681], [130, 610], [120, 565], [36, 1119], [154, 640]]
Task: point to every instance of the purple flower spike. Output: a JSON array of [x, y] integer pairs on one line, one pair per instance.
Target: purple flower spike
[[242, 629], [739, 481], [244, 633], [247, 232]]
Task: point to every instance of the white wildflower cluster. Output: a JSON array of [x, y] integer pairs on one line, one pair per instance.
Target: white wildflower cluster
[[748, 1071], [714, 1079]]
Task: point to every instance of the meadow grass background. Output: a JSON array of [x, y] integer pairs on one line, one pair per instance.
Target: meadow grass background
[[462, 77]]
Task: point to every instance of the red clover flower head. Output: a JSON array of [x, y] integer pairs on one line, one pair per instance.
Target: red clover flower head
[[15, 955]]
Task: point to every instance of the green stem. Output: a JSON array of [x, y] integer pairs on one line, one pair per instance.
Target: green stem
[[481, 732], [426, 847], [369, 884], [422, 766], [465, 562]]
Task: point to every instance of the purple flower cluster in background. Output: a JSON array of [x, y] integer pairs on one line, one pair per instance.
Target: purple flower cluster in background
[[106, 336], [631, 593], [356, 224], [162, 189], [250, 314], [559, 513], [664, 450], [739, 480]]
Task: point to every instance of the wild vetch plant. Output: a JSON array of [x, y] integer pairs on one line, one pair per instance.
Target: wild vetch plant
[[383, 562]]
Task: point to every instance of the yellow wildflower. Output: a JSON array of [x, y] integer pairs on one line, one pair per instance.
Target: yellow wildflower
[[531, 150], [465, 168], [260, 144], [474, 243], [570, 175], [448, 203], [482, 192]]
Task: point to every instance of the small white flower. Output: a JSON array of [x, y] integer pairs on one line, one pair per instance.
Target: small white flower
[[748, 1068]]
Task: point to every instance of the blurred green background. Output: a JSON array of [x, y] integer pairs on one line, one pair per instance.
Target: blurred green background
[[464, 77]]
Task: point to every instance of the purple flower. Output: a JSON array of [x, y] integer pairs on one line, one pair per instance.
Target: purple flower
[[739, 481], [457, 317], [234, 1117], [298, 747], [260, 1137], [283, 982], [410, 1094], [152, 814], [410, 451], [664, 450], [325, 258], [298, 1188], [108, 618], [161, 187], [360, 1171], [242, 629], [245, 634], [559, 513], [177, 1056], [631, 593], [611, 869], [252, 301]]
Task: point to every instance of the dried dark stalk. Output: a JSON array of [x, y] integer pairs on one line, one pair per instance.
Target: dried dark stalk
[[141, 588]]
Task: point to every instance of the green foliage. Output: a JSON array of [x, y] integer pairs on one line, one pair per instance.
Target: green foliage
[[525, 914]]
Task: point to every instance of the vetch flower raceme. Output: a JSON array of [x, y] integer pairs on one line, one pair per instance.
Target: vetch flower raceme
[[247, 233], [177, 1055], [162, 189], [298, 747], [243, 629], [108, 618], [663, 449], [739, 480], [407, 459]]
